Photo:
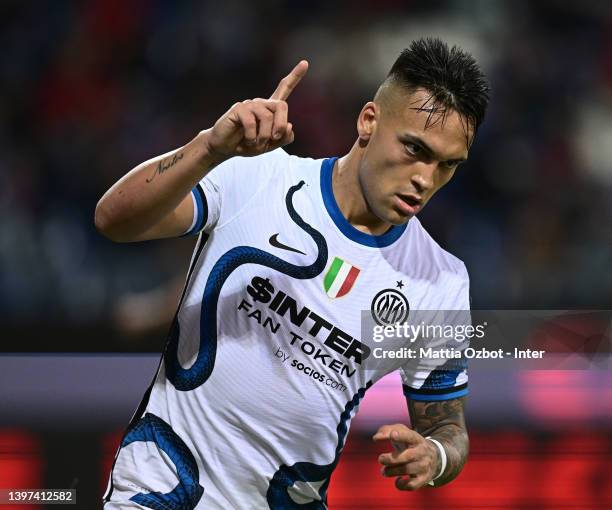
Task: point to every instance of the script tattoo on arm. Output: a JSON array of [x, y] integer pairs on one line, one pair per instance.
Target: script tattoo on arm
[[164, 165], [445, 422]]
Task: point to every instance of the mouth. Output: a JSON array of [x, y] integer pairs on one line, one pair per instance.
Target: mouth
[[409, 205]]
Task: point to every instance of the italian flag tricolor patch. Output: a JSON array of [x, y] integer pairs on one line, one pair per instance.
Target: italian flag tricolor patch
[[339, 278]]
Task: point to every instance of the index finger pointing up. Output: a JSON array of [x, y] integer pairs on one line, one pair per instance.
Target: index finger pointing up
[[288, 83]]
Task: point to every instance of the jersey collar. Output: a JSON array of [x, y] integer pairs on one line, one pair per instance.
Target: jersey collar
[[380, 241]]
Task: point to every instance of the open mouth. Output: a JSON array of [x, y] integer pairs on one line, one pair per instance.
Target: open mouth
[[411, 200], [409, 205]]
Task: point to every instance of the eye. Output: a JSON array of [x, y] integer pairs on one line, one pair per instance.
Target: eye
[[451, 165], [413, 148]]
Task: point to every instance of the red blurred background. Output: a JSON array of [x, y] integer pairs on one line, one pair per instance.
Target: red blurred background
[[531, 447], [507, 469]]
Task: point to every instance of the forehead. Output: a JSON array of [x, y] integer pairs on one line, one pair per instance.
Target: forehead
[[444, 130]]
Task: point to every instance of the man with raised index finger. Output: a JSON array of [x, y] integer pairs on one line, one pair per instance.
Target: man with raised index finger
[[264, 365]]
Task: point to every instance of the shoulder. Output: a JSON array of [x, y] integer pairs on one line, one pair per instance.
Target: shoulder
[[255, 170], [433, 258], [244, 165]]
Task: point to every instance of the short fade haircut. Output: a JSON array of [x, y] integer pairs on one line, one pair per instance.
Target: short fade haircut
[[452, 77]]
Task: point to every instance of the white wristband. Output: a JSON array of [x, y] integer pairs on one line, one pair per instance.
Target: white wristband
[[442, 458]]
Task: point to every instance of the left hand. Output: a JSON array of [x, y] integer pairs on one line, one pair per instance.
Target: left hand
[[414, 460]]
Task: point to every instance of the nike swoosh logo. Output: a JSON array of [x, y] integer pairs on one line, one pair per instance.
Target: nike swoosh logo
[[277, 244]]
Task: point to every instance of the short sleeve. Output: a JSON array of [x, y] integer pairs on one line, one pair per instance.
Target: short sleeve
[[228, 188], [443, 379], [201, 213]]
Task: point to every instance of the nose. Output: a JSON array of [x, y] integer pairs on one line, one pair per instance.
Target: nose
[[423, 177]]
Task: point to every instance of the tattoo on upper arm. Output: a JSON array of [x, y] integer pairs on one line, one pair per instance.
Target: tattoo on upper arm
[[445, 422], [164, 165]]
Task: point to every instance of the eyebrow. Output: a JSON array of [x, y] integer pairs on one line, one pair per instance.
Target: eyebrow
[[408, 138]]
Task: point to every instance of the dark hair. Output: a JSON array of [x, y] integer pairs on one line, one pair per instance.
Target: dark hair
[[452, 76]]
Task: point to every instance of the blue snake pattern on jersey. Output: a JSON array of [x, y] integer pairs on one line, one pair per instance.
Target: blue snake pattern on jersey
[[189, 379], [278, 497], [187, 493]]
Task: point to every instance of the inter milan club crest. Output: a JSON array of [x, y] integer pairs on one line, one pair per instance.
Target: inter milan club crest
[[390, 307], [339, 278]]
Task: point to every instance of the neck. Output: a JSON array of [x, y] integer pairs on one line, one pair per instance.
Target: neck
[[349, 194]]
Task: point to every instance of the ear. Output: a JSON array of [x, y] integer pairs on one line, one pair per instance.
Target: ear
[[366, 122]]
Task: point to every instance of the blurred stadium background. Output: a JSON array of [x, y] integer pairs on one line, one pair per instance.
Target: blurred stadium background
[[90, 89]]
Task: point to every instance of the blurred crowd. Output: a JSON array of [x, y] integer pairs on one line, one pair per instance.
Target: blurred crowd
[[91, 89]]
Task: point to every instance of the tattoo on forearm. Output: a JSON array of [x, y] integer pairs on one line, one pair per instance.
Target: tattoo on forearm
[[445, 422], [164, 165]]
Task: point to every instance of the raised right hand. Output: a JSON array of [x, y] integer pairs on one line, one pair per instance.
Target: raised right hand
[[256, 126]]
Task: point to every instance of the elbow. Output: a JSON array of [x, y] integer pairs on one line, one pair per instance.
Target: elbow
[[103, 220]]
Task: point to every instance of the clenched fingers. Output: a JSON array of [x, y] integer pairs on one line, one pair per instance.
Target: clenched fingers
[[399, 457], [280, 120], [248, 121], [264, 121], [287, 138], [410, 468], [412, 483]]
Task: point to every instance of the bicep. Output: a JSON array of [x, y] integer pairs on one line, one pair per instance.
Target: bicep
[[215, 199], [174, 224]]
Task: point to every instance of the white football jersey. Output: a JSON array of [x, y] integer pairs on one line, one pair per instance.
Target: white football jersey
[[266, 363]]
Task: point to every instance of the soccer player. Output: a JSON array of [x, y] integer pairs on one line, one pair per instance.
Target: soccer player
[[265, 364]]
